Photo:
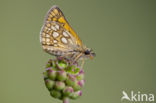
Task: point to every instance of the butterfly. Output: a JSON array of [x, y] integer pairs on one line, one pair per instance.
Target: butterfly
[[59, 39]]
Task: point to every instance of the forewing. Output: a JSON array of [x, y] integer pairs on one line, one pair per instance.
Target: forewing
[[57, 37], [55, 14]]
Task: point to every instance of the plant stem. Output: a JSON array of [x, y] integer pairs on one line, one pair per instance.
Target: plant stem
[[66, 100]]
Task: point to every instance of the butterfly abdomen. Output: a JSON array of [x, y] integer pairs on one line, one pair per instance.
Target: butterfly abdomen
[[55, 53]]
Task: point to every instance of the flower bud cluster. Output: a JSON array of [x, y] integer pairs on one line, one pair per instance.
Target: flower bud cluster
[[63, 80]]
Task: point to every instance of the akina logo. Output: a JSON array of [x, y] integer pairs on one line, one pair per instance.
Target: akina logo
[[137, 96]]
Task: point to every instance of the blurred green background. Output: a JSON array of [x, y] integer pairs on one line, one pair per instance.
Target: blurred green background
[[121, 32]]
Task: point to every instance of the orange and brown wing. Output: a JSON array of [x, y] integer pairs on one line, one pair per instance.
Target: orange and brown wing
[[56, 15], [56, 36]]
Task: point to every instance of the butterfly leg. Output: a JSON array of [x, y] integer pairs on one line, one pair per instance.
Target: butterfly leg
[[82, 62], [77, 57]]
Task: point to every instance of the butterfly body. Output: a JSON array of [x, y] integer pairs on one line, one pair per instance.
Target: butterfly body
[[59, 39]]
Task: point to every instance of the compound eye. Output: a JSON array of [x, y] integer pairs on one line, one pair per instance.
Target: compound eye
[[87, 52]]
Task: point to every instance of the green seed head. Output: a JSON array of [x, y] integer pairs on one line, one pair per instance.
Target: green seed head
[[68, 91], [71, 80], [59, 85], [63, 80], [55, 94], [76, 94], [49, 84], [51, 74], [61, 75]]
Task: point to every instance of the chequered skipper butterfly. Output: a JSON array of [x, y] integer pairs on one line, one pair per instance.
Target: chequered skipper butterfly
[[59, 39]]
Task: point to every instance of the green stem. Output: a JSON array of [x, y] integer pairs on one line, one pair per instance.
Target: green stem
[[65, 100]]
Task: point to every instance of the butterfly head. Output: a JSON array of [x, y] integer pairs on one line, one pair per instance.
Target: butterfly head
[[89, 53]]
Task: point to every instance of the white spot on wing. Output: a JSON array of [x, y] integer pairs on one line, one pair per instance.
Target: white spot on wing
[[49, 29], [55, 41], [53, 28], [48, 43], [47, 40], [65, 34], [55, 34], [64, 40], [47, 35], [57, 27]]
